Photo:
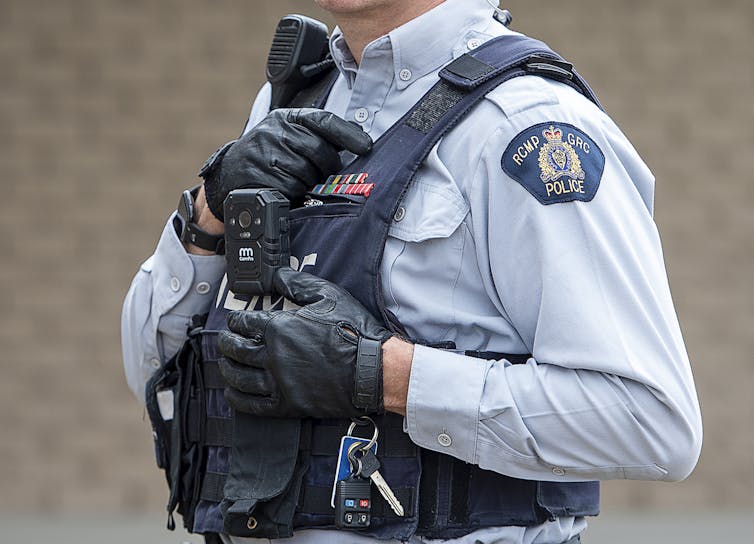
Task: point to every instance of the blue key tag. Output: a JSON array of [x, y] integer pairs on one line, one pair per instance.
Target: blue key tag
[[344, 465]]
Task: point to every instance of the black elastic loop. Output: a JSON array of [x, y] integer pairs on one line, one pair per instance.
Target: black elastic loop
[[469, 68], [212, 487]]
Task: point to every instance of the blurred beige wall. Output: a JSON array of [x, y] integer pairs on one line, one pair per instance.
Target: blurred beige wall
[[107, 109]]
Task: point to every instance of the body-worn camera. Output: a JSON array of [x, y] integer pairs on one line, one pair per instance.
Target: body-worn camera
[[256, 239]]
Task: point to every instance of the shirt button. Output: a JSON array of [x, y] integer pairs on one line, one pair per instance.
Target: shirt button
[[361, 115], [444, 440], [400, 213], [202, 288], [557, 471], [154, 362], [473, 43], [175, 284], [405, 74]]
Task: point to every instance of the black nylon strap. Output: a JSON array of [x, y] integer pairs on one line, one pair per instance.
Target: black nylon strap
[[469, 68], [210, 353], [218, 431], [396, 443], [393, 442], [316, 500], [428, 487], [212, 377], [212, 487], [459, 492], [314, 95], [467, 72]]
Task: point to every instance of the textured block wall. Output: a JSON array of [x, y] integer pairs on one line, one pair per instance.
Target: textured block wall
[[107, 108]]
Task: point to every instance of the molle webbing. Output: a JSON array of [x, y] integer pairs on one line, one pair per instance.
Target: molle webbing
[[443, 497]]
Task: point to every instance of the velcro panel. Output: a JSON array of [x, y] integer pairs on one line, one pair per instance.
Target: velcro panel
[[440, 99], [459, 492]]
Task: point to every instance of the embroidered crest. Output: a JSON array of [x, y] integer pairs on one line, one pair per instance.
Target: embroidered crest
[[555, 162], [558, 159]]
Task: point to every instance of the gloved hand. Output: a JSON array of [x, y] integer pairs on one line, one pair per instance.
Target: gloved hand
[[290, 150], [321, 360]]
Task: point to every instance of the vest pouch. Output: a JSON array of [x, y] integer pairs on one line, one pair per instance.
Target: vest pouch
[[325, 206], [400, 466], [569, 499], [159, 402], [264, 480], [178, 427]]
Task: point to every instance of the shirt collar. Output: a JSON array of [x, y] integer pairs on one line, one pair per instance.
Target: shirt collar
[[424, 44]]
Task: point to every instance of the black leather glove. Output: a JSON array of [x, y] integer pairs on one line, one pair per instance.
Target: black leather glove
[[290, 150], [321, 360]]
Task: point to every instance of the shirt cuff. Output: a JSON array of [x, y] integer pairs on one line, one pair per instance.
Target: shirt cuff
[[208, 274], [438, 421], [180, 277]]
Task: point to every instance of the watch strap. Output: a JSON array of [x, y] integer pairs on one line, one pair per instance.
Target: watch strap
[[203, 239], [189, 232]]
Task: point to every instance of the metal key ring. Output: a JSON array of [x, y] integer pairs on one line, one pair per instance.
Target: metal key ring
[[356, 446], [363, 421]]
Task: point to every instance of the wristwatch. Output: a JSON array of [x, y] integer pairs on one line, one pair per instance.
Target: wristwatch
[[189, 232]]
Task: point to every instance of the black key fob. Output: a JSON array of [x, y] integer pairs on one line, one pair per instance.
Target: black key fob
[[353, 503]]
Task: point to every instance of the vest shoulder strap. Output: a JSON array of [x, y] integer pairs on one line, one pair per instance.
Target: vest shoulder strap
[[486, 67], [517, 53]]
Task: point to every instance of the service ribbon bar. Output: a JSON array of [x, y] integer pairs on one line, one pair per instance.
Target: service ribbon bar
[[345, 184]]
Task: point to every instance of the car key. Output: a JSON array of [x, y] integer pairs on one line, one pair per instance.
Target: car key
[[369, 467]]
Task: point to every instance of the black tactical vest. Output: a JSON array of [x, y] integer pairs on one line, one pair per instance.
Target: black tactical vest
[[258, 477]]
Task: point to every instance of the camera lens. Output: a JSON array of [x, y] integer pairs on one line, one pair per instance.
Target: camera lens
[[244, 219]]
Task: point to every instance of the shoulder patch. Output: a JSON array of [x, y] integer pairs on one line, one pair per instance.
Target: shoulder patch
[[555, 162]]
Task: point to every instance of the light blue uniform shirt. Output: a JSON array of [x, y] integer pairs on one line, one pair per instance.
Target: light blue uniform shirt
[[474, 258]]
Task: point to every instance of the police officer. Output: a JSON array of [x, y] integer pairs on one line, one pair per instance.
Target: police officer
[[526, 231]]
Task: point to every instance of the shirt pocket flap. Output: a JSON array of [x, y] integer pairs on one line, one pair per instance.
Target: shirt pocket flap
[[429, 211]]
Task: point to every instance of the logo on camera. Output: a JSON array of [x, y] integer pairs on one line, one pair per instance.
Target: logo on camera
[[246, 254]]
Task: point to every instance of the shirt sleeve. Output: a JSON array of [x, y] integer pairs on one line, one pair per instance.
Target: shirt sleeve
[[260, 108], [169, 287], [608, 392]]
